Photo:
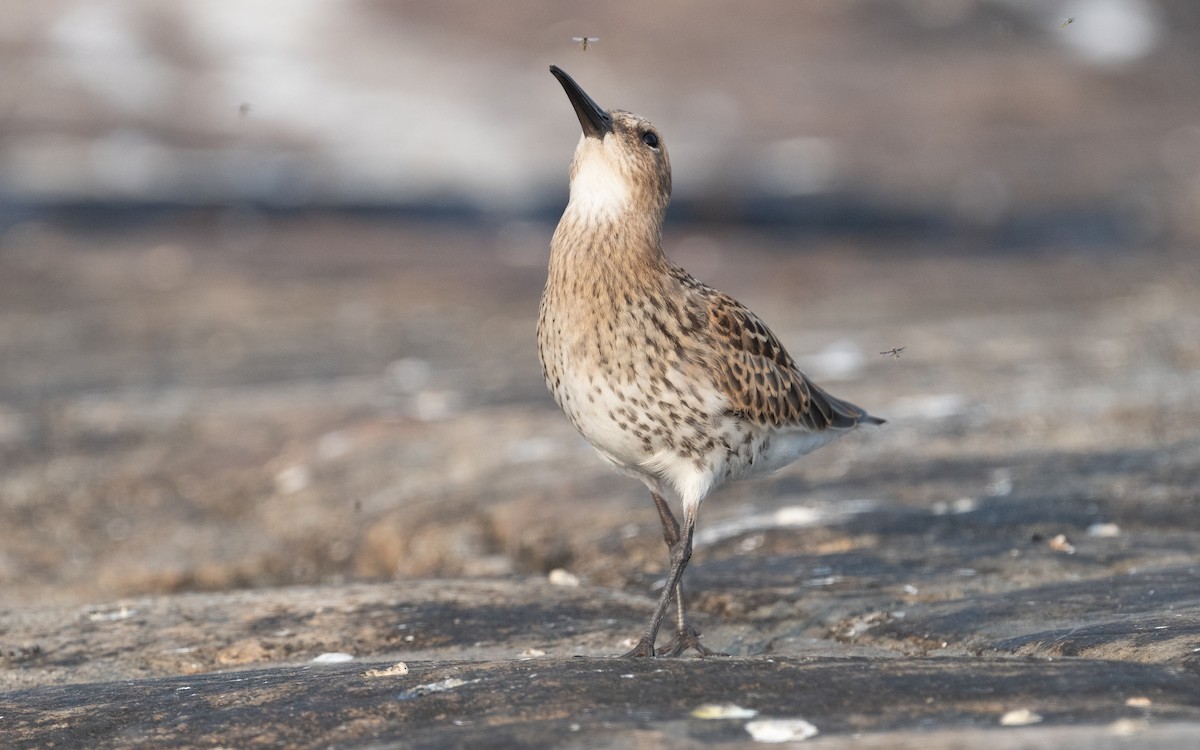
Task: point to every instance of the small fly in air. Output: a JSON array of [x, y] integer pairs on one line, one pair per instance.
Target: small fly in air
[[584, 41], [1066, 22], [244, 109], [894, 351]]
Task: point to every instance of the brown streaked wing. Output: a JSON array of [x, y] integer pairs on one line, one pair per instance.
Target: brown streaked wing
[[760, 378]]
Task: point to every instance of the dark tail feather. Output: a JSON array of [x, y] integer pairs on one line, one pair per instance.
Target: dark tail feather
[[845, 414]]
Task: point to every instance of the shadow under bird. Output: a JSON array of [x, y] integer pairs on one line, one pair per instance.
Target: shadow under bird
[[671, 381]]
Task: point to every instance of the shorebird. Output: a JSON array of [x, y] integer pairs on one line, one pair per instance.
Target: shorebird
[[671, 381]]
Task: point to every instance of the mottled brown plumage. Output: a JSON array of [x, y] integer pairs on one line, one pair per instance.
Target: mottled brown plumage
[[759, 377], [671, 381]]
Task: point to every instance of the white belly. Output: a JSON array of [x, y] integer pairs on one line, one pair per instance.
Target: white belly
[[604, 414]]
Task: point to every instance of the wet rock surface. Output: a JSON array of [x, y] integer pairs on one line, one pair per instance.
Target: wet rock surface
[[221, 464]]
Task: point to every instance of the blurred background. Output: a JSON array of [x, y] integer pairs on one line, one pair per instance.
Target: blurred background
[[1030, 118], [269, 269]]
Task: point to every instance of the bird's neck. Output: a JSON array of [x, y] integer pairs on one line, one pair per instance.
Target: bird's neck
[[606, 199], [620, 244]]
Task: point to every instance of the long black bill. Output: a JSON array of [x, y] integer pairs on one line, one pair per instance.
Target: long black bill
[[595, 121]]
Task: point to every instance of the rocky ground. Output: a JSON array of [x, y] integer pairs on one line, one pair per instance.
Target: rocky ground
[[232, 444], [293, 479]]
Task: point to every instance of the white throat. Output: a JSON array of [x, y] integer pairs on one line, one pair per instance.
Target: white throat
[[597, 189]]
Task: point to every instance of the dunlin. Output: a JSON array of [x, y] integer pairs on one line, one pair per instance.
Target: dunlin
[[671, 381]]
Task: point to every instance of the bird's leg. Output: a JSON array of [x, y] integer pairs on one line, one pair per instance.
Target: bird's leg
[[669, 524], [686, 636], [670, 529], [681, 552]]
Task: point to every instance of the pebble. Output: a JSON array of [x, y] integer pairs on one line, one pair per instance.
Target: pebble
[[396, 670], [1060, 543]]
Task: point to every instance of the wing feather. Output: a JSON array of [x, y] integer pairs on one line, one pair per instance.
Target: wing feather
[[760, 378]]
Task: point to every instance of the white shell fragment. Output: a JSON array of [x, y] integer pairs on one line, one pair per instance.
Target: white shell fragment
[[780, 730], [1019, 717], [560, 577], [333, 657]]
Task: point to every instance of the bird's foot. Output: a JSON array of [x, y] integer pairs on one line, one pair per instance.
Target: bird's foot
[[644, 648], [687, 637]]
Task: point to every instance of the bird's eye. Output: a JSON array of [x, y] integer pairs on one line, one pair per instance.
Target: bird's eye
[[650, 139]]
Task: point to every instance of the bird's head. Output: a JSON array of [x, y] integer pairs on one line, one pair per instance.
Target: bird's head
[[621, 165]]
